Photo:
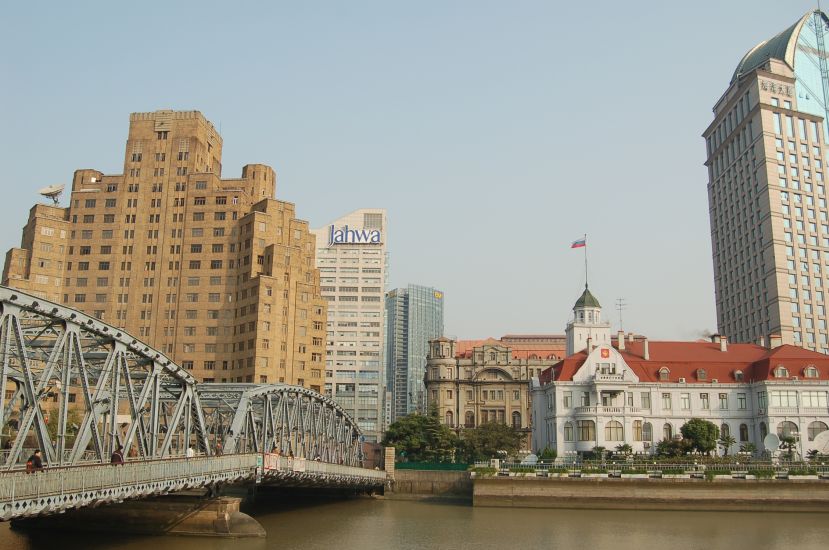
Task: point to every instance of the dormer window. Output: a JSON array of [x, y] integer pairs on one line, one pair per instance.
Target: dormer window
[[810, 371], [738, 375], [781, 372], [664, 374], [701, 374]]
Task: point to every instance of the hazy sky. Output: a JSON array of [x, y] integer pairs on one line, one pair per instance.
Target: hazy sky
[[495, 133]]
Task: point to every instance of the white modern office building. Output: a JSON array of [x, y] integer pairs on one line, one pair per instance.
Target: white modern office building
[[351, 256]]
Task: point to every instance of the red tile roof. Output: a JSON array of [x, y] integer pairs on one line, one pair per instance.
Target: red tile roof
[[545, 346], [685, 359]]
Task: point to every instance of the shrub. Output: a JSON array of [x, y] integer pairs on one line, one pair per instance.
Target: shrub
[[673, 471], [802, 472], [594, 470], [709, 474], [484, 471], [522, 470], [635, 471]]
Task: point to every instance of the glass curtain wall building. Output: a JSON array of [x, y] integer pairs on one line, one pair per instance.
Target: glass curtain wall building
[[767, 191], [414, 315], [352, 260]]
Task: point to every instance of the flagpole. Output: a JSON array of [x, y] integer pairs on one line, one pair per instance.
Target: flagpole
[[585, 260]]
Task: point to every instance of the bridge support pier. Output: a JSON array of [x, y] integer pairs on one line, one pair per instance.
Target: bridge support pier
[[167, 515]]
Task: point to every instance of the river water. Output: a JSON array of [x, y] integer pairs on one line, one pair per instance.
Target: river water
[[369, 524]]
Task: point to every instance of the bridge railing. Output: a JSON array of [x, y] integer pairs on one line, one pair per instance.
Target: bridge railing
[[274, 462], [17, 486]]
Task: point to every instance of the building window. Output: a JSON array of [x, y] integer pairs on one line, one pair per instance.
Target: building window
[[738, 375], [666, 401], [450, 421], [587, 430], [787, 429], [647, 432], [585, 399], [723, 401], [815, 428], [646, 400], [637, 430], [470, 419], [516, 420], [664, 374], [667, 432], [685, 401], [764, 431], [613, 431], [761, 400], [781, 372], [701, 374], [567, 400], [743, 433], [810, 372], [725, 430], [703, 397], [568, 431], [741, 401]]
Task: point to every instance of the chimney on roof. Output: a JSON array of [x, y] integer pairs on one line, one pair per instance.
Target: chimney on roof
[[589, 344], [761, 341], [645, 352], [620, 339], [715, 338], [723, 343], [630, 337], [775, 341]]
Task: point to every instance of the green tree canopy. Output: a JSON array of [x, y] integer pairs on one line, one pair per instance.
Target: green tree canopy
[[421, 438], [488, 441], [701, 434]]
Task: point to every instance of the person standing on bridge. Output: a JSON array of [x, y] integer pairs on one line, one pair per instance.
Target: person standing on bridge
[[117, 457], [35, 463], [190, 453]]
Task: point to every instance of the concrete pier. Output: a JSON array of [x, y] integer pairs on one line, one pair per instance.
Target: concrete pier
[[165, 515]]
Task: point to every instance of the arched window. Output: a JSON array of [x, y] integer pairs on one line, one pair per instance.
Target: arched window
[[743, 433], [664, 374], [738, 375], [450, 419], [787, 429], [725, 430], [613, 431], [492, 356], [815, 428], [637, 430], [781, 372], [568, 431], [764, 431], [702, 374], [667, 432], [516, 420], [647, 432], [533, 356], [470, 419], [587, 430], [810, 372]]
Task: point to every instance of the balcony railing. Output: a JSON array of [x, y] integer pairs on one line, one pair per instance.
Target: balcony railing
[[600, 409]]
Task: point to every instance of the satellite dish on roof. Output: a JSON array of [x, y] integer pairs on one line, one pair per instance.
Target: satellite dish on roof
[[532, 460], [52, 192], [771, 442], [821, 442]]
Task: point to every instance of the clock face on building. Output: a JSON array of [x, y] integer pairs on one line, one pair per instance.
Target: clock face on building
[[438, 295], [605, 353]]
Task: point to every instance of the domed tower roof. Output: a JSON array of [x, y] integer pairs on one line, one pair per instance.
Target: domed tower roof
[[586, 300], [781, 46]]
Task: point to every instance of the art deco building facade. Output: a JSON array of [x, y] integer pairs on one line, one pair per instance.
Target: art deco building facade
[[216, 273], [414, 315], [475, 382], [767, 191], [351, 256]]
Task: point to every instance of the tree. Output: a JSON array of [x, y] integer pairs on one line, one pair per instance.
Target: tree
[[548, 455], [701, 434], [726, 442], [789, 443], [624, 449], [421, 438], [672, 448], [748, 448], [489, 441]]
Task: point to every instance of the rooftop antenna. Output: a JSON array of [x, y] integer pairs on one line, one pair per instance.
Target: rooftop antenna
[[52, 192], [621, 305]]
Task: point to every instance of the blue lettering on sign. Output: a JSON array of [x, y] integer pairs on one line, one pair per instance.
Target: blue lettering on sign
[[344, 235]]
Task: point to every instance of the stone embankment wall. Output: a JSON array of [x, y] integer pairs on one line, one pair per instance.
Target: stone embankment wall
[[430, 484], [655, 494]]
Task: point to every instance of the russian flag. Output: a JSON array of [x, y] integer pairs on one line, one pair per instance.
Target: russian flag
[[579, 243]]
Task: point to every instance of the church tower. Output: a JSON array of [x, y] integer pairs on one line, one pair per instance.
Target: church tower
[[586, 324]]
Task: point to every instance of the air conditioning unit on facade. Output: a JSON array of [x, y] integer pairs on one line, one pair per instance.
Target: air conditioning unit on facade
[[714, 381], [681, 380]]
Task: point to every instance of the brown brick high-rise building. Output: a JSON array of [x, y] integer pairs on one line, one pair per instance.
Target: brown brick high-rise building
[[214, 272]]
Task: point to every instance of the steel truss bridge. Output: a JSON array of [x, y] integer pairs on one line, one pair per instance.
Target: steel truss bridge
[[78, 388]]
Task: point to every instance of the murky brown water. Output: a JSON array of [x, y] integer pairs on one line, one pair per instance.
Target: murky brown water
[[380, 525]]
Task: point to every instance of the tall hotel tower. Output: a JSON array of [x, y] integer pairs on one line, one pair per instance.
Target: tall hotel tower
[[216, 273], [351, 257], [767, 190]]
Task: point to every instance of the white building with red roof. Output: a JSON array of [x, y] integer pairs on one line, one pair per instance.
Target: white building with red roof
[[639, 392]]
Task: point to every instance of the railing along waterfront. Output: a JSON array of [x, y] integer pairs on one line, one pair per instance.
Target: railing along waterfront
[[765, 469]]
